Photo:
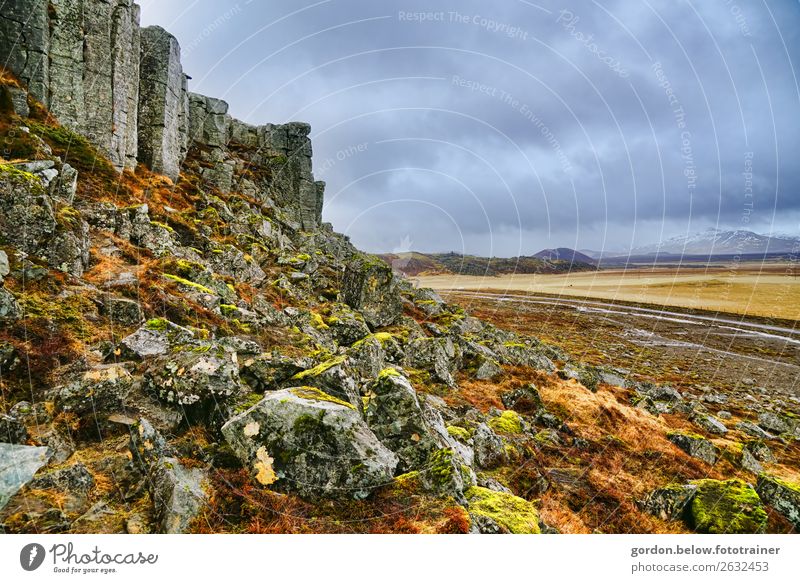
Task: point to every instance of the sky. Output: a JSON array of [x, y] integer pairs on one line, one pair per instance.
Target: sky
[[503, 128]]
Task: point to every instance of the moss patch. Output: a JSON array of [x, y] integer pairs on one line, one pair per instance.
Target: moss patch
[[508, 422], [511, 513], [320, 368], [458, 433], [730, 507], [314, 394]]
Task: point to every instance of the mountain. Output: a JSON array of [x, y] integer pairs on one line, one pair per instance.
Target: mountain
[[413, 263], [565, 254], [722, 242]]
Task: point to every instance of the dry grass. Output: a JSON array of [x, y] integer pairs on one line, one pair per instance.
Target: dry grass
[[769, 290]]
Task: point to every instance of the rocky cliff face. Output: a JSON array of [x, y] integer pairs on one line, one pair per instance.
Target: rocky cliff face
[[124, 89]]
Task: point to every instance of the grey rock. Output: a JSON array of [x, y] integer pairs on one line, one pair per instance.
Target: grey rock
[[9, 308], [435, 355], [671, 502], [179, 494], [525, 400], [334, 377], [156, 337], [75, 478], [98, 393], [710, 424], [754, 430], [776, 423], [267, 372], [162, 102], [12, 430], [750, 463], [394, 415], [782, 496], [5, 267], [18, 464], [122, 310], [489, 448], [302, 440], [197, 376], [370, 286], [697, 447]]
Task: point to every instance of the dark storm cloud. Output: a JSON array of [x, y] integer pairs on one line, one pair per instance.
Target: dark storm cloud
[[504, 128]]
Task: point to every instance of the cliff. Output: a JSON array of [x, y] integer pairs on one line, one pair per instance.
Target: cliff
[[123, 87]]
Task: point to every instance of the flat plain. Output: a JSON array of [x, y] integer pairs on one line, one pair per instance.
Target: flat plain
[[768, 290]]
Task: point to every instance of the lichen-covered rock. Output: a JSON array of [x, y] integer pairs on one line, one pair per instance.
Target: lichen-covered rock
[[438, 356], [394, 414], [710, 424], [670, 502], [268, 372], [179, 494], [333, 377], [156, 337], [753, 430], [9, 308], [729, 507], [195, 376], [18, 464], [12, 430], [97, 394], [74, 478], [586, 375], [230, 261], [490, 450], [485, 368], [444, 474], [304, 440], [782, 495], [370, 286], [346, 326], [25, 44], [122, 310], [777, 423], [498, 512], [696, 446], [525, 400]]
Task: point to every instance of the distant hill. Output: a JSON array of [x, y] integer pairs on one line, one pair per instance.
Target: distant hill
[[413, 263], [565, 254]]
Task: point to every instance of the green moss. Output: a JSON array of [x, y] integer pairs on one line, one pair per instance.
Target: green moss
[[314, 394], [685, 434], [157, 324], [9, 172], [228, 310], [514, 345], [458, 433], [793, 486], [512, 513], [317, 322], [388, 372], [190, 284], [730, 507], [508, 422], [441, 468], [382, 337], [320, 368], [251, 401]]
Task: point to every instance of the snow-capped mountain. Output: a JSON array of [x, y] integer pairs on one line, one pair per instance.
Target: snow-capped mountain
[[721, 242]]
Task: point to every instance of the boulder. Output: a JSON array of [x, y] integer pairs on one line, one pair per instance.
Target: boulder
[[370, 287], [12, 430], [394, 414], [729, 507], [268, 372], [669, 502], [782, 495], [525, 400], [194, 377], [333, 377], [490, 450], [438, 356], [696, 446], [753, 430], [179, 494], [303, 440], [97, 394], [18, 464], [777, 423], [156, 337], [122, 310], [9, 308], [498, 512], [710, 424]]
